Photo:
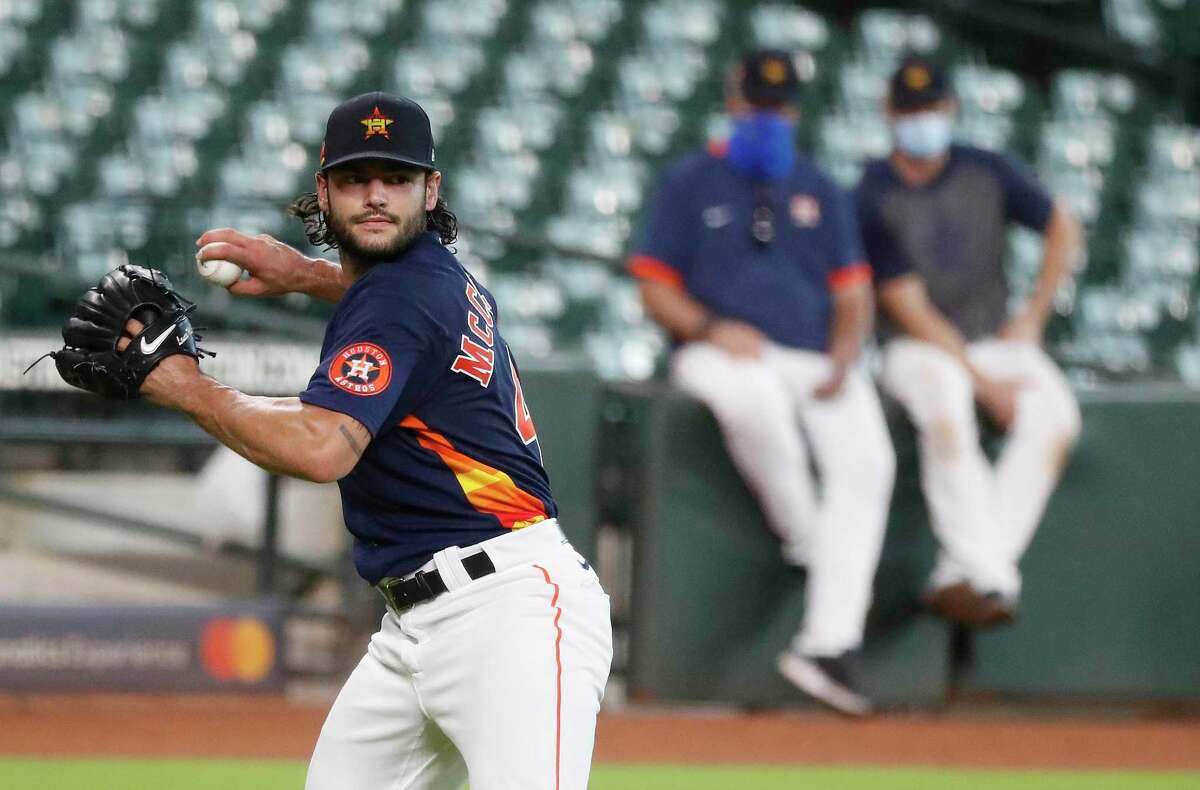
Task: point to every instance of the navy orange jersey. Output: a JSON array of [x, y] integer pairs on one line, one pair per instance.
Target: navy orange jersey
[[697, 237], [414, 353]]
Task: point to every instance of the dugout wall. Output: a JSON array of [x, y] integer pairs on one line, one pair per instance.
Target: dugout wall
[[1112, 596]]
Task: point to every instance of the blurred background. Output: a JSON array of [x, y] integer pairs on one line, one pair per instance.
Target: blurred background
[[131, 126], [134, 125]]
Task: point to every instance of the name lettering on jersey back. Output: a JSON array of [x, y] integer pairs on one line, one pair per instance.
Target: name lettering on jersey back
[[478, 359], [484, 332], [522, 419]]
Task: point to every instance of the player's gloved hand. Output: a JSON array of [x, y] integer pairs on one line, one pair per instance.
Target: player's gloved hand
[[169, 378], [737, 338], [98, 355], [998, 398], [274, 267]]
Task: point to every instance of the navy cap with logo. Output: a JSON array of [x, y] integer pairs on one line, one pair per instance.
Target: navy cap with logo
[[917, 83], [768, 78], [377, 126]]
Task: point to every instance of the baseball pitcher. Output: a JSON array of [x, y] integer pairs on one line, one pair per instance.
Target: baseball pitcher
[[494, 653]]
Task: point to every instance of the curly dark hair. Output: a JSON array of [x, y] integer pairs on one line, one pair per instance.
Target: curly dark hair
[[444, 221], [308, 210]]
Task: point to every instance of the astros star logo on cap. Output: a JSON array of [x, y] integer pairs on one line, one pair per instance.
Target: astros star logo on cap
[[773, 71], [916, 77], [376, 123]]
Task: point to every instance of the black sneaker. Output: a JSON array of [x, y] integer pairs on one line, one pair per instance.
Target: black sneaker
[[832, 680]]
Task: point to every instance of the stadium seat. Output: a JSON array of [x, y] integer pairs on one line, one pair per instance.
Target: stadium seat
[[1172, 148], [326, 63], [1169, 199], [1134, 21], [20, 220], [781, 26], [989, 99], [886, 35], [694, 22], [359, 17], [585, 20], [1086, 94], [1155, 256]]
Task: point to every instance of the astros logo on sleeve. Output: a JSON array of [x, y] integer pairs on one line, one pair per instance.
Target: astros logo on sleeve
[[361, 369]]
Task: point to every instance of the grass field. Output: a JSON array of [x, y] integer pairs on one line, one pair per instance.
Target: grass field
[[238, 775]]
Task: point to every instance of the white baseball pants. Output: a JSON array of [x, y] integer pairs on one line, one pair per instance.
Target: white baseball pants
[[765, 408], [499, 679], [984, 516]]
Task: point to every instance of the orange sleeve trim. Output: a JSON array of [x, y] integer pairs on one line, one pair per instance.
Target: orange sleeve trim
[[646, 267], [855, 273]]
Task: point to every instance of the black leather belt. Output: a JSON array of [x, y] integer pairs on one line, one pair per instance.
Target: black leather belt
[[403, 593]]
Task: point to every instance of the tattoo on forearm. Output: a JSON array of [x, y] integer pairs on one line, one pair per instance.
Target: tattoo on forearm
[[353, 442]]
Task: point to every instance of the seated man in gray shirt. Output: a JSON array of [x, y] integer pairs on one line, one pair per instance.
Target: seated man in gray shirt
[[934, 218]]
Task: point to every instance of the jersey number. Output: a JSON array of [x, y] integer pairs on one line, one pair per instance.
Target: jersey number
[[524, 421]]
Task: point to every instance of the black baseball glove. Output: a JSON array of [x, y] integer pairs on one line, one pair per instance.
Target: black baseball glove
[[90, 359]]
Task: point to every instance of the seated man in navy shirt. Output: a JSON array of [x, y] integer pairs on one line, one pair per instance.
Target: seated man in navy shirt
[[934, 218], [751, 260]]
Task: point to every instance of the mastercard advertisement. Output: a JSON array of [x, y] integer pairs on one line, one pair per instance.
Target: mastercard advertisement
[[237, 650], [228, 647]]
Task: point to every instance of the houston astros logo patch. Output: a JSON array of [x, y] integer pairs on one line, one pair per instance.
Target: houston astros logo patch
[[376, 123], [361, 369], [805, 211]]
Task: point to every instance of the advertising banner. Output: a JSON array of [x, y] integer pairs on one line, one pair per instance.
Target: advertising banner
[[227, 647]]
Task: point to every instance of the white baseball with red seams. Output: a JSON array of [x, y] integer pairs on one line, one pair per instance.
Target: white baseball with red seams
[[218, 272], [418, 706]]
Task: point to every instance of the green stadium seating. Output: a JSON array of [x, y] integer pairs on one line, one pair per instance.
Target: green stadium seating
[[133, 125]]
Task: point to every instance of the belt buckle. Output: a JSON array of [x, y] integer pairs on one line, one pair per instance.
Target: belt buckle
[[396, 594], [385, 591], [393, 594]]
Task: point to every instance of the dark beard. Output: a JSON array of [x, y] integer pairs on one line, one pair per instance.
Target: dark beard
[[409, 228]]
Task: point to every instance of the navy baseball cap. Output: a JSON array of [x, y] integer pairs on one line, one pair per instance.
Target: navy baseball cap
[[768, 78], [377, 126], [918, 82]]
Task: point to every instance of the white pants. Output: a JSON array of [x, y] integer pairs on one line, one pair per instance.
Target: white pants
[[499, 679], [983, 516], [760, 405]]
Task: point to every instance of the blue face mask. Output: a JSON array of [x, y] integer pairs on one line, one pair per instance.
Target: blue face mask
[[762, 146], [924, 135]]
